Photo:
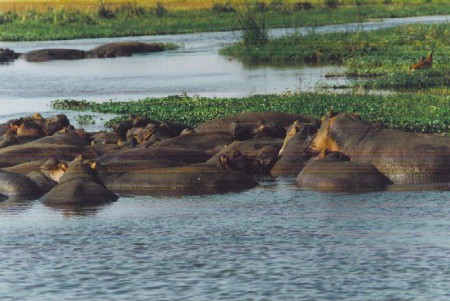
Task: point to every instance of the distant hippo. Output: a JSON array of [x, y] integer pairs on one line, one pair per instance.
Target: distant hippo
[[279, 118], [258, 163], [8, 55], [117, 49], [260, 129], [44, 55]]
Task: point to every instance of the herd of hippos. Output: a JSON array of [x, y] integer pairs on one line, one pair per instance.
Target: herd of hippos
[[110, 50], [50, 160]]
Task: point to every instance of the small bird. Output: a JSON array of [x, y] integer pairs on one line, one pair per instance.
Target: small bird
[[424, 63]]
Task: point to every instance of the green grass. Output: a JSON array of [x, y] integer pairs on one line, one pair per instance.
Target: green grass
[[409, 112], [134, 21], [385, 54]]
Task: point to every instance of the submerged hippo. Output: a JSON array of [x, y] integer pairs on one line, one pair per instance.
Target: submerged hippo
[[194, 179], [18, 187], [123, 49], [110, 50], [403, 157], [79, 186], [334, 172], [44, 55]]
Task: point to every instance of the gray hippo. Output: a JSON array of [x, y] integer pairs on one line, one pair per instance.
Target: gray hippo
[[279, 118], [44, 55], [403, 157], [18, 187], [292, 156], [193, 179], [334, 172], [123, 49], [79, 186]]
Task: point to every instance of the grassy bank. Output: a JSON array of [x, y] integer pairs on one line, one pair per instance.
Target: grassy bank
[[410, 112], [107, 20], [385, 54]]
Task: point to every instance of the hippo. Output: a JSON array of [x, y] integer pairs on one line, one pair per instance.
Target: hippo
[[28, 128], [257, 163], [207, 142], [7, 55], [279, 118], [117, 49], [120, 166], [49, 174], [334, 172], [197, 180], [18, 187], [156, 153], [405, 158], [244, 131], [79, 186], [25, 168], [292, 156], [17, 154], [44, 55]]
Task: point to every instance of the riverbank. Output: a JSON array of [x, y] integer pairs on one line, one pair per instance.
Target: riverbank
[[408, 112], [135, 20], [384, 55]]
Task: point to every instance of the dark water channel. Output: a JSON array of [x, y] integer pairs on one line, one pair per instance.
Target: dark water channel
[[274, 242]]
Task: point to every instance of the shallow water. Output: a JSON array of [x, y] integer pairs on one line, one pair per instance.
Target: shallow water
[[274, 242]]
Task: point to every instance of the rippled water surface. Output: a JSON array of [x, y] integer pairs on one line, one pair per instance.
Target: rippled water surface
[[274, 242]]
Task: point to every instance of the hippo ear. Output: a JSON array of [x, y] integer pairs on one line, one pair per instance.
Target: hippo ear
[[64, 167], [356, 114], [322, 153]]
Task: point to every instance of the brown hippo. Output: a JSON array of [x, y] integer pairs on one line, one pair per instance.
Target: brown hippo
[[156, 153], [48, 174], [18, 187], [79, 186], [403, 157], [334, 172], [198, 179], [28, 128], [44, 55], [279, 118], [292, 156], [257, 163], [260, 129], [123, 49], [207, 142], [17, 154]]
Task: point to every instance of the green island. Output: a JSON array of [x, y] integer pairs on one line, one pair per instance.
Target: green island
[[136, 20]]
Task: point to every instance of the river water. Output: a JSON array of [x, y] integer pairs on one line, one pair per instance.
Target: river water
[[273, 242]]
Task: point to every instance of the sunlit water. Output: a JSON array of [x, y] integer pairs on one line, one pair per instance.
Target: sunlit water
[[273, 242]]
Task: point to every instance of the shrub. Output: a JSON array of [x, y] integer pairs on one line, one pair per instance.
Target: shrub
[[161, 10], [226, 7], [254, 31]]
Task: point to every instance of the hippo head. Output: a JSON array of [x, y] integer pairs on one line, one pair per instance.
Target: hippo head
[[334, 156], [304, 130], [53, 169], [7, 55], [339, 131], [257, 163]]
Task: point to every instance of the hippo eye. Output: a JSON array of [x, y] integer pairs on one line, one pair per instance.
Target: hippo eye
[[237, 154]]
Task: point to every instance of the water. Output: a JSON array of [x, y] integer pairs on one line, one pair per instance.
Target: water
[[273, 242]]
